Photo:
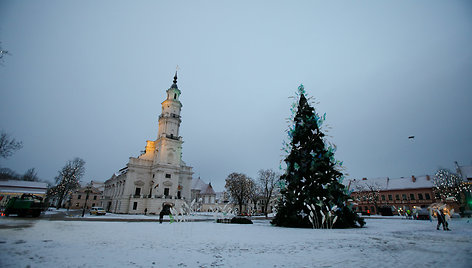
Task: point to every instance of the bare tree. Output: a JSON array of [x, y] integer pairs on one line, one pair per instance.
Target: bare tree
[[450, 186], [8, 145], [239, 186], [267, 181], [68, 179], [30, 175], [254, 193], [8, 174], [370, 192]]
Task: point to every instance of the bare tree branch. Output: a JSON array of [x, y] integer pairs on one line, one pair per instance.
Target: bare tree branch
[[267, 181], [68, 179], [8, 145], [369, 191], [30, 175]]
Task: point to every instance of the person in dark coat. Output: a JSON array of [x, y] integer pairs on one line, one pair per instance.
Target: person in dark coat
[[161, 215], [442, 220]]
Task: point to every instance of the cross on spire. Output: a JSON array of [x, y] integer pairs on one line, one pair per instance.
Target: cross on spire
[[174, 85]]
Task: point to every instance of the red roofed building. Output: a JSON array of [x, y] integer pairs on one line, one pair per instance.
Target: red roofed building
[[401, 194]]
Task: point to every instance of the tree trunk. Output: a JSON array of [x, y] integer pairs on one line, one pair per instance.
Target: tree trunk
[[61, 197], [58, 205], [265, 205]]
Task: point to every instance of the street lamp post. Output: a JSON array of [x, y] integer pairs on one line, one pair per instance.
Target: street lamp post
[[87, 191]]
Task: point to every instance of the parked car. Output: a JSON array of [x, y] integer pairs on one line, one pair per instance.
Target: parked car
[[422, 214], [97, 211]]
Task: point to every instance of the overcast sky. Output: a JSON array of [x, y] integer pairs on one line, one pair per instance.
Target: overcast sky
[[87, 78]]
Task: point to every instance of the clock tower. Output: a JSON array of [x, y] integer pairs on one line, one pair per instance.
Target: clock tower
[[158, 178]]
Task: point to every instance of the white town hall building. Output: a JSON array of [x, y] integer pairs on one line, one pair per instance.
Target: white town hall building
[[158, 177]]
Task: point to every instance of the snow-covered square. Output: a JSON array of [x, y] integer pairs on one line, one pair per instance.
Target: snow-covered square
[[391, 242]]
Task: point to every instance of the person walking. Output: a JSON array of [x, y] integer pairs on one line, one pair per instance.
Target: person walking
[[442, 220], [161, 215]]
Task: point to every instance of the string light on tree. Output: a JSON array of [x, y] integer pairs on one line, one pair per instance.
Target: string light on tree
[[312, 194], [450, 187]]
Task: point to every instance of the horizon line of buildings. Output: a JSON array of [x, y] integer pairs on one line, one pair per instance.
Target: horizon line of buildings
[[401, 193]]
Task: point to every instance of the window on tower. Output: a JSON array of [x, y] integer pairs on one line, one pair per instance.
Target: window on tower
[[175, 96]]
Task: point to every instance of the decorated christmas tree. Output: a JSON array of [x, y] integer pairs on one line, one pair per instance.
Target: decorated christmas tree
[[313, 195]]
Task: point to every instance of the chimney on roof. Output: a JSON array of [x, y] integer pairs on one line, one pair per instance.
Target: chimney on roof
[[413, 179], [428, 178], [364, 179]]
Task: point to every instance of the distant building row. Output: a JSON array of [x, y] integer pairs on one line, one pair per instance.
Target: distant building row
[[402, 194], [99, 195]]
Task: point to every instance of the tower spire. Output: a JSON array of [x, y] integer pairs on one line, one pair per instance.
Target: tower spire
[[174, 84]]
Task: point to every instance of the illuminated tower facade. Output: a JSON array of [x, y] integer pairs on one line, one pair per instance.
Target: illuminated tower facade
[[158, 177]]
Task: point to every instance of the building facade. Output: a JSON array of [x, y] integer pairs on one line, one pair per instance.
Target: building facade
[[203, 194], [407, 193], [87, 197], [158, 177], [401, 194]]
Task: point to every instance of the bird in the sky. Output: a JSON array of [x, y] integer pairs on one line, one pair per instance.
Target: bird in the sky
[[411, 137]]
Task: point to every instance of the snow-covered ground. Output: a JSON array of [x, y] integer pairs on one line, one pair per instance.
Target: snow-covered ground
[[196, 216], [384, 242]]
